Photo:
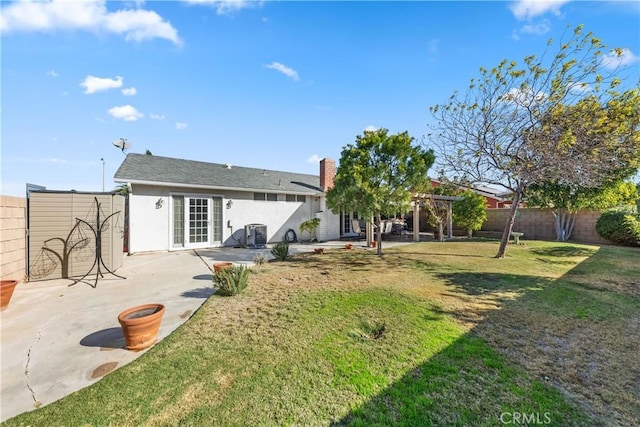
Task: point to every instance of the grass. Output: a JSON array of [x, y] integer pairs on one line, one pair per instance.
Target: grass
[[428, 334]]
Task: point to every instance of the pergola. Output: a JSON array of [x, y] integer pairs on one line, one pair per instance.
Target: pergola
[[419, 199]]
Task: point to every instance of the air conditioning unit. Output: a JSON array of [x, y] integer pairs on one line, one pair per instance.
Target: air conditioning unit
[[255, 235]]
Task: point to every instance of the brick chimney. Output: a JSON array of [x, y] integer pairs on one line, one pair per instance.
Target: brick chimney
[[327, 173]]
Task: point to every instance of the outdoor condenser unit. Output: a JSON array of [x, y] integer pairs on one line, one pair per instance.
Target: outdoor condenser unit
[[255, 235]]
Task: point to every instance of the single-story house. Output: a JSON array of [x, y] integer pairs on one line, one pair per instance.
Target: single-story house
[[183, 204]]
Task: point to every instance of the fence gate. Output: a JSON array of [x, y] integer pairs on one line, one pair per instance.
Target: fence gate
[[69, 232]]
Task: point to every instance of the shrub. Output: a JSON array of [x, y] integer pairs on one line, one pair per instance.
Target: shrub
[[231, 281], [470, 212], [311, 226], [620, 226], [280, 251], [259, 259]]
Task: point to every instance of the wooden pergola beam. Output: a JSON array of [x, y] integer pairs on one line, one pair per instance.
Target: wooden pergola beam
[[421, 197]]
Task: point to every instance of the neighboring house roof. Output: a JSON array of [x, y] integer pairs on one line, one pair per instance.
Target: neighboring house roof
[[167, 171], [489, 192]]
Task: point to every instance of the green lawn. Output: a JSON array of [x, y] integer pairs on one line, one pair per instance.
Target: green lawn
[[429, 334]]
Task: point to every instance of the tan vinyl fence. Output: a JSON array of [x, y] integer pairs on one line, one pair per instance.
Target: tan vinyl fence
[[62, 233], [539, 224], [13, 242]]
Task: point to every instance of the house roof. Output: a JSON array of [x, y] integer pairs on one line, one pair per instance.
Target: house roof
[[167, 171], [485, 191]]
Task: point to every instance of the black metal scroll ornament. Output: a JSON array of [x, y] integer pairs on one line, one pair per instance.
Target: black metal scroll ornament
[[97, 233]]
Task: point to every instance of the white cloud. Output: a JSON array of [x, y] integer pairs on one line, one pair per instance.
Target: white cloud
[[580, 88], [126, 113], [156, 116], [130, 91], [92, 84], [313, 159], [619, 58], [181, 125], [538, 29], [371, 128], [225, 7], [50, 15], [289, 72], [528, 9], [52, 73]]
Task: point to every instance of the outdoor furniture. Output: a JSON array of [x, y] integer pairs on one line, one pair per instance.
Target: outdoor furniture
[[387, 227], [516, 237], [355, 227]]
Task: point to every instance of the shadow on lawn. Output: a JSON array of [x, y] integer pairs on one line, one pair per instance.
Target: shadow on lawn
[[545, 350], [564, 251], [467, 383]]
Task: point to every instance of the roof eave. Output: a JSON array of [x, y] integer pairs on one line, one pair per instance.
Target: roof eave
[[213, 187]]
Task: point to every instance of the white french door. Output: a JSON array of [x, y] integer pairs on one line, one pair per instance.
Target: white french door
[[197, 221]]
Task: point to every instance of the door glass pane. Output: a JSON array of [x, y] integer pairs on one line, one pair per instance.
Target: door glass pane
[[198, 220], [178, 220], [217, 219], [346, 223]]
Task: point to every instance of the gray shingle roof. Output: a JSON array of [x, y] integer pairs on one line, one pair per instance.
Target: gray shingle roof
[[166, 171]]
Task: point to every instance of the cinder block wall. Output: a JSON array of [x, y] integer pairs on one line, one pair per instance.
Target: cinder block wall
[[13, 242], [539, 224]]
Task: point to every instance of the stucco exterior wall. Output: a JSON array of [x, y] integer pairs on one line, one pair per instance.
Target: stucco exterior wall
[[148, 225], [150, 216], [13, 242]]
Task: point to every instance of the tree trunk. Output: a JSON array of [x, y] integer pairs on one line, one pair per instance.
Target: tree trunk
[[440, 232], [509, 225], [379, 234], [565, 221]]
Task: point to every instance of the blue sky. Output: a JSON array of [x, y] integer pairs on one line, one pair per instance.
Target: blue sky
[[275, 85]]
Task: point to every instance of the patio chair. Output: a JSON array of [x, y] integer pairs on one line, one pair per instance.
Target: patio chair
[[355, 227], [387, 228]]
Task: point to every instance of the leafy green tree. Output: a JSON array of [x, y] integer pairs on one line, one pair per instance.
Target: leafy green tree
[[558, 119], [470, 212], [377, 174], [565, 201], [122, 189]]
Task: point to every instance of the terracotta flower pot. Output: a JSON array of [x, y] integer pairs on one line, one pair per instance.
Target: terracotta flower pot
[[140, 325], [219, 266], [374, 244], [348, 246], [319, 251], [7, 291]]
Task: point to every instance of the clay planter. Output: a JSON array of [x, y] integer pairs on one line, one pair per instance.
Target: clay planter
[[219, 266], [140, 325], [374, 244], [319, 251], [348, 246], [7, 291]]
